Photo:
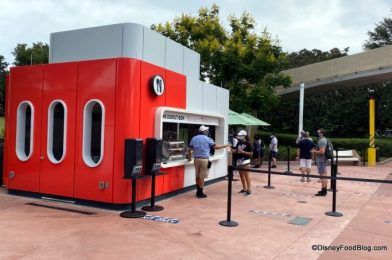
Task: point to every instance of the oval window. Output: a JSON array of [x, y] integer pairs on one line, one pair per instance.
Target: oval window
[[24, 130], [93, 132], [57, 125]]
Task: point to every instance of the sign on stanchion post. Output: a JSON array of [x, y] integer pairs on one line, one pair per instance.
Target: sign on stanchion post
[[288, 161], [333, 213], [228, 222], [269, 173], [334, 167]]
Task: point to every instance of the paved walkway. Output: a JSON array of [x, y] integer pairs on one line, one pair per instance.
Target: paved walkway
[[264, 231]]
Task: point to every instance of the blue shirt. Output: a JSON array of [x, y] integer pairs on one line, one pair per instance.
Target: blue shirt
[[201, 145]]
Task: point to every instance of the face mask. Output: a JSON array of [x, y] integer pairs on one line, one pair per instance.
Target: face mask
[[318, 134]]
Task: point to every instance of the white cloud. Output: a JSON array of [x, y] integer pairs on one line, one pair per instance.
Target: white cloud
[[298, 24]]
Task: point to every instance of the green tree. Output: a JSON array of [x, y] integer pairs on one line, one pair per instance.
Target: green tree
[[381, 36], [305, 57], [37, 54], [246, 63], [3, 74]]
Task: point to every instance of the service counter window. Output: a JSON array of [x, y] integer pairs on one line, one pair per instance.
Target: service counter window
[[177, 126], [57, 125], [93, 132], [176, 137], [24, 130]]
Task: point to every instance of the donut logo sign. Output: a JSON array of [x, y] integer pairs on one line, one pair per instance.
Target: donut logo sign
[[157, 85]]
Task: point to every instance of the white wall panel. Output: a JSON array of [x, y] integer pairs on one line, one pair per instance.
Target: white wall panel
[[174, 58], [86, 44], [189, 175], [133, 40], [194, 94], [209, 98], [154, 47], [191, 63]]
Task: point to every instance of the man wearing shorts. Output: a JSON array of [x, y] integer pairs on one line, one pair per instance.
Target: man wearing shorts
[[201, 145], [304, 154], [273, 149], [321, 160]]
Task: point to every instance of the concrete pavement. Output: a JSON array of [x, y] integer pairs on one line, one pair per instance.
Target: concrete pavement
[[264, 231]]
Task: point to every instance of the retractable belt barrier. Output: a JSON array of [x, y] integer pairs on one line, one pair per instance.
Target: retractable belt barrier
[[333, 178]]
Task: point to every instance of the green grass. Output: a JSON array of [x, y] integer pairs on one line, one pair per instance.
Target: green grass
[[1, 127]]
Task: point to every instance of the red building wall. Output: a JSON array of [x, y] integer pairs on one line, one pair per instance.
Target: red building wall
[[122, 85]]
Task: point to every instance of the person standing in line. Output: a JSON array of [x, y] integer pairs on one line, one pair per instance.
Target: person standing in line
[[304, 154], [201, 145], [258, 151], [321, 160], [273, 149], [244, 152]]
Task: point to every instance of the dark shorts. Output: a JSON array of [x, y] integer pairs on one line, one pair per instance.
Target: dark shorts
[[274, 154], [257, 155]]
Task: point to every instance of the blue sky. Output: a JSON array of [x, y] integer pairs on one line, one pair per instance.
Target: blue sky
[[298, 24]]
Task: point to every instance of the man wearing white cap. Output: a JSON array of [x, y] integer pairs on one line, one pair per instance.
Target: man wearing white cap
[[201, 145], [244, 152]]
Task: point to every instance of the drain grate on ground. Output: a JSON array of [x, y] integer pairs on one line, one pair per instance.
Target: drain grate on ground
[[301, 221], [372, 194], [312, 182], [162, 219], [62, 209], [297, 195], [275, 214]]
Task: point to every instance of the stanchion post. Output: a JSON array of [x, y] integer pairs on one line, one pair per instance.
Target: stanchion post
[[288, 161], [333, 213], [269, 173], [334, 167], [228, 222], [133, 213], [364, 155], [152, 207]]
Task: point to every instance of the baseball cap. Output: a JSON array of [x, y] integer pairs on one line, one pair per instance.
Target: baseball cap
[[242, 132], [203, 128]]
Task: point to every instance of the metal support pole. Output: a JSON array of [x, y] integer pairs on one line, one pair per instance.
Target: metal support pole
[[334, 168], [152, 207], [364, 155], [333, 213], [372, 148], [228, 222], [269, 173], [288, 161], [133, 213], [301, 107]]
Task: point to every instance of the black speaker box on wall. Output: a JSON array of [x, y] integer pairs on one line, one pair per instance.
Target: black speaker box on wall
[[153, 155], [133, 158]]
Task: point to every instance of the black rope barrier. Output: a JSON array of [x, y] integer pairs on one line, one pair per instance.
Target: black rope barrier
[[229, 223], [320, 176]]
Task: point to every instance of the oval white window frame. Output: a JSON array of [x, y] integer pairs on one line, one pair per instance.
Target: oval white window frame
[[49, 147], [20, 130], [87, 119]]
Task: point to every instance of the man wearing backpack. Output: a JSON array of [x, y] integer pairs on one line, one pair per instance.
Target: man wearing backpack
[[321, 160]]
